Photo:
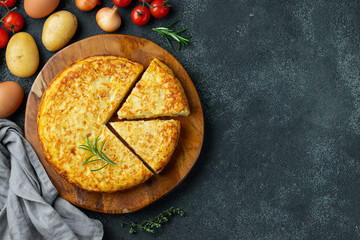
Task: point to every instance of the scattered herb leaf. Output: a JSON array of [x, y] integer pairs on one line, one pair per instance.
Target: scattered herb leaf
[[157, 222]]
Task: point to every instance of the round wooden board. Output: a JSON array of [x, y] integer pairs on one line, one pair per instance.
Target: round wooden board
[[192, 127]]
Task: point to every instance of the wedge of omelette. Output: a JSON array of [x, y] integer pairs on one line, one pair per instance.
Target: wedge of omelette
[[129, 171], [75, 106], [158, 93], [153, 140]]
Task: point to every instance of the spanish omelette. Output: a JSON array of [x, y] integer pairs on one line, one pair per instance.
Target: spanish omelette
[[158, 93], [79, 102], [154, 140]]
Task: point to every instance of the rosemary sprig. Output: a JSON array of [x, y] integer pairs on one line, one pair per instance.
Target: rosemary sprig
[[169, 34], [95, 152], [150, 225]]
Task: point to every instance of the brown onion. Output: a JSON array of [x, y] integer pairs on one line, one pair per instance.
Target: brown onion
[[86, 5], [108, 19]]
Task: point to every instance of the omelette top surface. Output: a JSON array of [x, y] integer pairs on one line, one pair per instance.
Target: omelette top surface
[[76, 105]]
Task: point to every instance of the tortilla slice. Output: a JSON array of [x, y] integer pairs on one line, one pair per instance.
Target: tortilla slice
[[158, 93], [154, 140]]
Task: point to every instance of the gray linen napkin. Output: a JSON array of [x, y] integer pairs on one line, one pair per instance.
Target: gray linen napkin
[[30, 207]]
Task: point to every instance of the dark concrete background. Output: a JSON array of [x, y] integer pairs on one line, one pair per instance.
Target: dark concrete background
[[279, 83]]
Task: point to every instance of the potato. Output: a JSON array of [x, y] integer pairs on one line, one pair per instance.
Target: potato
[[22, 55], [58, 30]]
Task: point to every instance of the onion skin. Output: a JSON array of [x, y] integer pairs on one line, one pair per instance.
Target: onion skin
[[86, 5], [108, 19]]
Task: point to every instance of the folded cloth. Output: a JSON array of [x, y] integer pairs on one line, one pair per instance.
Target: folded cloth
[[30, 207]]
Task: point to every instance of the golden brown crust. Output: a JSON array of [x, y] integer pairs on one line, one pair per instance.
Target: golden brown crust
[[158, 93], [76, 105], [154, 141]]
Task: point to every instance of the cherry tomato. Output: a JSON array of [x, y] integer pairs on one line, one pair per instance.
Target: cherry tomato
[[4, 38], [13, 22], [122, 3], [8, 3], [140, 18], [145, 1], [159, 9]]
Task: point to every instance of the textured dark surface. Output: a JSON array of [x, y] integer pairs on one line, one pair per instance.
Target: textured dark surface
[[280, 88]]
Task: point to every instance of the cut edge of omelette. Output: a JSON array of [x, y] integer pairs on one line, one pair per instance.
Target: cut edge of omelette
[[153, 140], [158, 94]]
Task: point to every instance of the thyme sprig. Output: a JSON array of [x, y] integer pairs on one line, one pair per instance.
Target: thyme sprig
[[169, 34], [150, 225], [95, 152]]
